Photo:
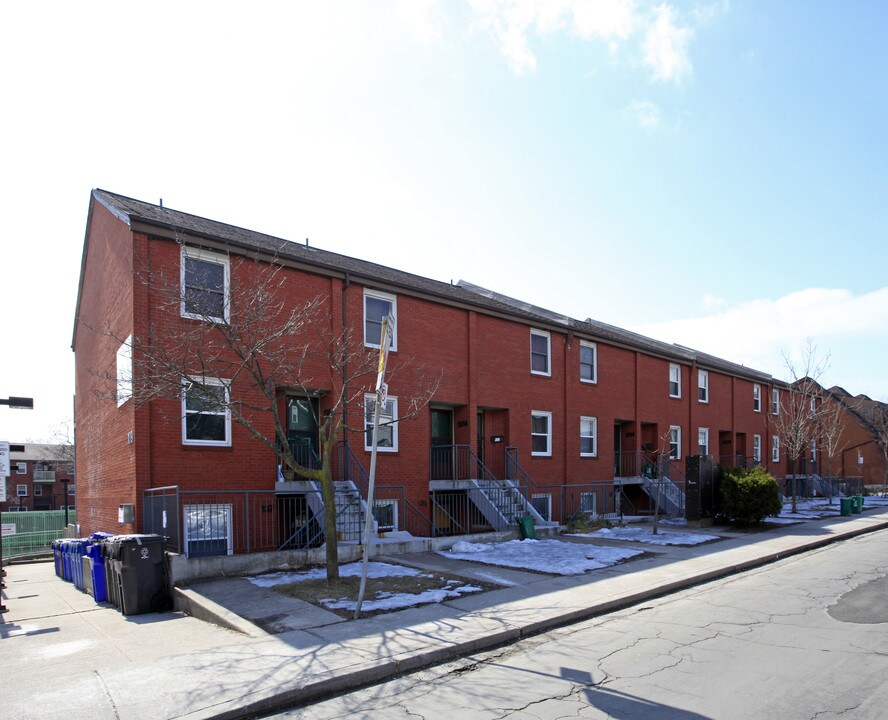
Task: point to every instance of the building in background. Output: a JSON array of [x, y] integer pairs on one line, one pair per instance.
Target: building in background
[[41, 477]]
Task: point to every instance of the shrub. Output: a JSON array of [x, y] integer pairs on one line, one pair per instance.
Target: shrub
[[748, 496]]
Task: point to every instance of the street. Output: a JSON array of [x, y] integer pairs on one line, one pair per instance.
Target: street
[[805, 637]]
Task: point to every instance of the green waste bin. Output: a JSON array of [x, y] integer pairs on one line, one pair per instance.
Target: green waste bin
[[526, 528], [847, 506], [857, 506]]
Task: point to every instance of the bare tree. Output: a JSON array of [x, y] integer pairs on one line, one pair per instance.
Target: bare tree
[[880, 435], [243, 355], [830, 430], [796, 423]]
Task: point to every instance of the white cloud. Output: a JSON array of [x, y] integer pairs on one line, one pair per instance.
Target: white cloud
[[666, 46], [851, 328], [654, 34], [646, 113], [424, 18]]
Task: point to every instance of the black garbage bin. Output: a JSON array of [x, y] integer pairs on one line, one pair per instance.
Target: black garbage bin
[[135, 578]]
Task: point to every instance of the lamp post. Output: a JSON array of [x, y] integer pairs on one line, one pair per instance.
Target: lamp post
[[19, 403]]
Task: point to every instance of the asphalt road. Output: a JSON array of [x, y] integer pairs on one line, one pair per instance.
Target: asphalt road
[[805, 638]]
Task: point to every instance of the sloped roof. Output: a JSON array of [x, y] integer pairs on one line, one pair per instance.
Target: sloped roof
[[144, 217]]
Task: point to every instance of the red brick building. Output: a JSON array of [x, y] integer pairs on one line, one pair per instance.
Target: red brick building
[[534, 411], [41, 478]]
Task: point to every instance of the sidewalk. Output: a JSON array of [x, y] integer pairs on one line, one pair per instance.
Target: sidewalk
[[63, 656]]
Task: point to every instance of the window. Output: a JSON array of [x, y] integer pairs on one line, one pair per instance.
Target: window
[[813, 455], [588, 428], [387, 438], [71, 490], [703, 440], [377, 305], [540, 433], [674, 380], [588, 362], [588, 503], [540, 346], [38, 490], [21, 468], [675, 442], [542, 503], [757, 397], [206, 419], [204, 285], [385, 512], [208, 530], [775, 401], [812, 406], [757, 448], [21, 490], [775, 449], [125, 371], [703, 386]]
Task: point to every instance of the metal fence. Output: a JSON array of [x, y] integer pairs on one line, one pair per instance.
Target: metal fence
[[32, 533]]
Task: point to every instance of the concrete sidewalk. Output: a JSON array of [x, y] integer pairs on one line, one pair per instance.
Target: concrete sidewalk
[[63, 656]]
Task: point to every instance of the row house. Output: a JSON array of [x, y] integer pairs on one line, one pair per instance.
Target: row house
[[532, 412], [41, 478]]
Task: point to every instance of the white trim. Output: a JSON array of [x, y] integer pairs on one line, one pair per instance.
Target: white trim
[[757, 448], [228, 529], [209, 257], [703, 384], [226, 412], [547, 515], [592, 346], [594, 435], [392, 300], [703, 433], [775, 449], [675, 369], [775, 401], [548, 336], [548, 435], [756, 397], [677, 429], [391, 404], [21, 491], [388, 502]]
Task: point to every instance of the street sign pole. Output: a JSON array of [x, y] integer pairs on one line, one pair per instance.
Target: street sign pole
[[4, 473]]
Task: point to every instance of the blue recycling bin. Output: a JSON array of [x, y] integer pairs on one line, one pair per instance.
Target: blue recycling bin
[[57, 557], [78, 550], [65, 554], [96, 585]]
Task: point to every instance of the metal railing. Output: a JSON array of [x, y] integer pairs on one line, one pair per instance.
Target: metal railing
[[33, 532], [44, 476]]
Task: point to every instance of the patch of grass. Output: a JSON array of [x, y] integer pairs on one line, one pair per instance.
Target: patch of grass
[[346, 588]]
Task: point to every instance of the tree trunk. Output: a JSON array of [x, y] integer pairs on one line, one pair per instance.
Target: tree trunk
[[328, 493]]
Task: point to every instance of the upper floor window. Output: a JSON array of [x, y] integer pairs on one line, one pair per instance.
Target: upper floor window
[[775, 449], [703, 440], [675, 442], [757, 448], [387, 437], [812, 406], [205, 285], [21, 468], [703, 386], [588, 426], [674, 380], [775, 401], [540, 433], [125, 371], [206, 417], [540, 352], [588, 362], [377, 305], [757, 397]]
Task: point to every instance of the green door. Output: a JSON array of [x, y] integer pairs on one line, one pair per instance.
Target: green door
[[442, 445]]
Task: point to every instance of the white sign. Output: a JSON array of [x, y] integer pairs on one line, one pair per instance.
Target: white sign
[[8, 529], [2, 489], [4, 459]]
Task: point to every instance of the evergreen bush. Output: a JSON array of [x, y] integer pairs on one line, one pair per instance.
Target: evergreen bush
[[748, 496]]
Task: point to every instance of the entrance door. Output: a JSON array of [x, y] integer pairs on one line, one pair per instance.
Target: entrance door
[[442, 445], [302, 430], [618, 438]]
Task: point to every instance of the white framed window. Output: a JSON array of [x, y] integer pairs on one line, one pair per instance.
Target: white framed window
[[812, 406], [588, 362], [540, 433], [125, 371], [204, 285], [703, 440], [21, 490], [385, 512], [542, 503], [387, 438], [675, 442], [813, 456], [71, 490], [21, 508], [775, 449], [757, 448], [775, 401], [703, 386], [757, 397], [206, 417], [588, 437], [38, 490], [588, 502], [674, 380], [378, 305], [540, 352], [208, 530], [21, 468]]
